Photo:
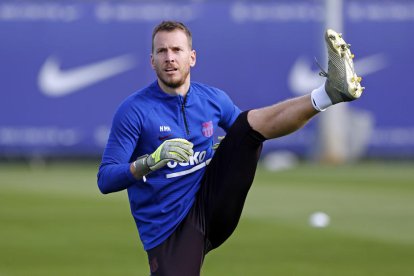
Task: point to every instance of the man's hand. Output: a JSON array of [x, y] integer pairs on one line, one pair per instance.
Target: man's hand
[[177, 149], [216, 145]]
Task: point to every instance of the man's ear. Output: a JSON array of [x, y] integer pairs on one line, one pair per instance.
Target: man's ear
[[152, 61], [193, 58]]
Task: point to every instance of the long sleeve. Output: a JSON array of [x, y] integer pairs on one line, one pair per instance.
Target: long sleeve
[[114, 173]]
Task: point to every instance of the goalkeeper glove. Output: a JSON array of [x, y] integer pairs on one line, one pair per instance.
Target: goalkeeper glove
[[216, 145], [179, 150]]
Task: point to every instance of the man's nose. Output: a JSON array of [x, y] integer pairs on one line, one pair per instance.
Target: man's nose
[[170, 56]]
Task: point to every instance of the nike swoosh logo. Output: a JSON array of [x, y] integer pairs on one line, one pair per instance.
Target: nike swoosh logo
[[302, 79], [164, 137], [55, 82]]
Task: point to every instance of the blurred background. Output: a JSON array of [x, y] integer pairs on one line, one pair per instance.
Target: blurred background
[[65, 66]]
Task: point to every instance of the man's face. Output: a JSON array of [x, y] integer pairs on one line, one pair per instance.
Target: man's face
[[172, 58]]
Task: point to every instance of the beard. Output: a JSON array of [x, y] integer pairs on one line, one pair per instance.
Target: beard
[[172, 82]]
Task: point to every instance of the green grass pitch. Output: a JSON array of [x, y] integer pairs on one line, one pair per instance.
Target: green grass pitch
[[54, 221]]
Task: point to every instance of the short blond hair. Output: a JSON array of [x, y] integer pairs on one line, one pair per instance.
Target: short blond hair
[[169, 26]]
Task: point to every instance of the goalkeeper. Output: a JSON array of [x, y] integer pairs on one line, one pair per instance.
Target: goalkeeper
[[185, 200]]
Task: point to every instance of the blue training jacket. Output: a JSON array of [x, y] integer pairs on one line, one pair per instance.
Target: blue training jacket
[[161, 200]]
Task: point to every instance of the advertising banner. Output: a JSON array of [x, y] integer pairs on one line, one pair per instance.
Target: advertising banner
[[66, 66]]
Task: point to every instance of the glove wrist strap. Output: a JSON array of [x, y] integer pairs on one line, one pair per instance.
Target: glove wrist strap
[[141, 167]]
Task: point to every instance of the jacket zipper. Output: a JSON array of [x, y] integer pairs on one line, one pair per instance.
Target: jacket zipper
[[184, 116]]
